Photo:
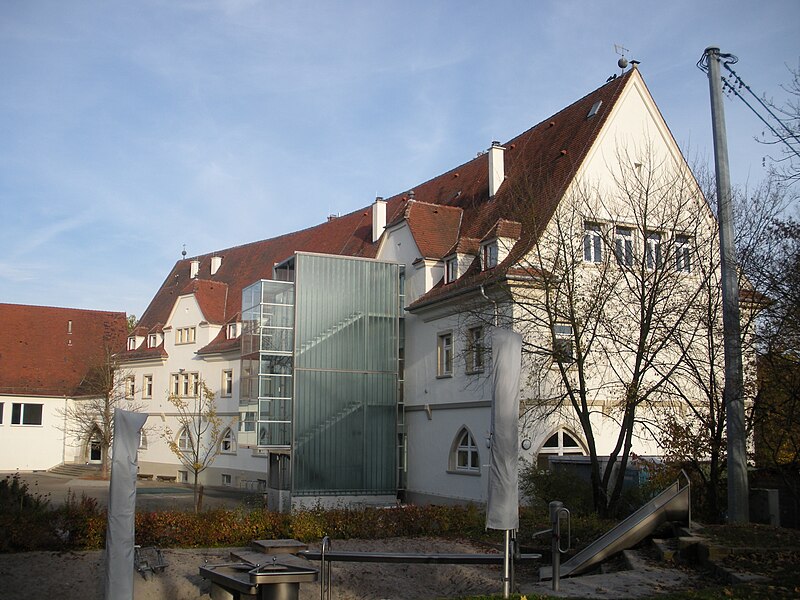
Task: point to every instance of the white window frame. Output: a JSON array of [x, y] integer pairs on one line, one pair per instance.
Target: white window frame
[[623, 246], [2, 409], [560, 449], [232, 331], [227, 442], [476, 349], [451, 269], [184, 440], [147, 386], [130, 386], [183, 476], [227, 480], [175, 384], [185, 335], [152, 340], [465, 456], [132, 343], [592, 242], [683, 253], [444, 354], [652, 250], [21, 418], [489, 255], [227, 383], [563, 347]]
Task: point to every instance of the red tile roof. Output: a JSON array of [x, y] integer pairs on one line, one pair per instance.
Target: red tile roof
[[38, 355], [540, 162], [211, 296], [435, 228]]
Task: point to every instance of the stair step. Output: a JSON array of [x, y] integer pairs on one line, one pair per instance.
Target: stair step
[[75, 470]]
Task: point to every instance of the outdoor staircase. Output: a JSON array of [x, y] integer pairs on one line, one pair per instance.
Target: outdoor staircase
[[327, 424], [76, 470], [330, 331]]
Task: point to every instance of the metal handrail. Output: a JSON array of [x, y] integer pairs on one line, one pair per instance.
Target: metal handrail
[[325, 570]]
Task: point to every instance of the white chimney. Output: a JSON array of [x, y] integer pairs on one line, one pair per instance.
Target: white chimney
[[497, 171], [216, 263], [195, 268], [378, 218]]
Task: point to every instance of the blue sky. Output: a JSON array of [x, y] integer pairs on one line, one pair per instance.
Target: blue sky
[[128, 129]]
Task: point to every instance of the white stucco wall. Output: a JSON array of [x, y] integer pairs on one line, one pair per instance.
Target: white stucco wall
[[32, 447]]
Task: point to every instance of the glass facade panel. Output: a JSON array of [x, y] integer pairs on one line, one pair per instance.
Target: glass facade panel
[[346, 358], [320, 373]]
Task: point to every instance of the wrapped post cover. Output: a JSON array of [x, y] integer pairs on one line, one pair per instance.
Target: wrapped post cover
[[502, 511], [122, 505]]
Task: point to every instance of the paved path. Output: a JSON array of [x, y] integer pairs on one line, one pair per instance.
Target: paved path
[[150, 495]]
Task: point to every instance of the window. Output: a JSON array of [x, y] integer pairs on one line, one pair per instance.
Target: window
[[489, 255], [562, 342], [142, 440], [147, 386], [247, 421], [185, 384], [226, 480], [464, 456], [185, 335], [451, 270], [130, 386], [623, 246], [175, 384], [132, 343], [152, 340], [185, 440], [69, 327], [653, 250], [183, 476], [231, 331], [475, 349], [227, 382], [683, 251], [445, 355], [561, 443], [592, 243], [227, 443], [2, 406], [26, 414]]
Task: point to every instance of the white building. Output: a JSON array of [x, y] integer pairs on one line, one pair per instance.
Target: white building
[[351, 359]]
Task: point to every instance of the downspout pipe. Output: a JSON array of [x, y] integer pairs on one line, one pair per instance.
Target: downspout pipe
[[494, 303]]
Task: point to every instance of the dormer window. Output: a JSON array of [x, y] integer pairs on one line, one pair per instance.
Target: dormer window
[[152, 340], [489, 255], [132, 343], [232, 331], [451, 269]]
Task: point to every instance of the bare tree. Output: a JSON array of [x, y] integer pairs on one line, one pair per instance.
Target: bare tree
[[89, 418], [607, 292], [695, 435], [784, 130], [197, 440]]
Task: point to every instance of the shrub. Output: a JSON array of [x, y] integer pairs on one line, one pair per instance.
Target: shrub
[[25, 518]]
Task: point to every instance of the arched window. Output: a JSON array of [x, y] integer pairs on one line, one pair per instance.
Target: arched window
[[227, 444], [561, 443], [464, 456], [185, 440]]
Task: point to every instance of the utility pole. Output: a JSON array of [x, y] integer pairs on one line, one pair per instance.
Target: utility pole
[[738, 489]]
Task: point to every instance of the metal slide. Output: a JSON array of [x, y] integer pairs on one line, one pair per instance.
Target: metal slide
[[670, 505]]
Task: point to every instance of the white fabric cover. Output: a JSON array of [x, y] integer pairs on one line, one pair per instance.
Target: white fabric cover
[[122, 505], [502, 511]]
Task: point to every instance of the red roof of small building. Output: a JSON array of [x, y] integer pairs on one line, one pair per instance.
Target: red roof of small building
[[47, 351]]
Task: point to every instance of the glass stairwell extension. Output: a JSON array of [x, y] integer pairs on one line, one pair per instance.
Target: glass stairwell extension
[[331, 401]]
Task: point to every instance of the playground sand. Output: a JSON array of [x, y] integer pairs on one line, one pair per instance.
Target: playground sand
[[80, 575]]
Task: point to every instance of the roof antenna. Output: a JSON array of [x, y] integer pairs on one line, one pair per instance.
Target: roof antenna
[[183, 254], [622, 63]]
